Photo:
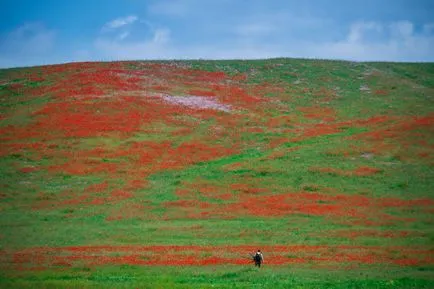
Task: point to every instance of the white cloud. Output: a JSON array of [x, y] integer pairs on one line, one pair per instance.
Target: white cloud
[[154, 48], [34, 44], [29, 44], [119, 22], [359, 29], [123, 35], [396, 41], [29, 38], [161, 36], [399, 42], [401, 29]]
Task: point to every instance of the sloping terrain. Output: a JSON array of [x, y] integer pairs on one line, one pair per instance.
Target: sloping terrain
[[132, 174]]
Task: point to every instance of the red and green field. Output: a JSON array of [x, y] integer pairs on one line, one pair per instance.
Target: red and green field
[[168, 174]]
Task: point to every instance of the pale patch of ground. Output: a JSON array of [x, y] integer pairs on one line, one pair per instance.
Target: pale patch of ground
[[192, 101], [367, 155], [198, 102], [364, 88]]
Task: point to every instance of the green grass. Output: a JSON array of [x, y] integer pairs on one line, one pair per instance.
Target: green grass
[[217, 277], [33, 212]]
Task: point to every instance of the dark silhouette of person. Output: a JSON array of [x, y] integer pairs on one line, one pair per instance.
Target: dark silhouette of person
[[258, 258]]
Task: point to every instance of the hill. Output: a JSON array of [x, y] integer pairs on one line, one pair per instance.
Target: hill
[[132, 174]]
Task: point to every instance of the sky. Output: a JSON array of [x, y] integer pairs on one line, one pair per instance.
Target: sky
[[52, 31]]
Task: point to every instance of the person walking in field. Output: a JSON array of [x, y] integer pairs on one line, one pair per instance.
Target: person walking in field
[[258, 258]]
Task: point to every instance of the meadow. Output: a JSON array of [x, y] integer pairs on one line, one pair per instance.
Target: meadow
[[167, 174]]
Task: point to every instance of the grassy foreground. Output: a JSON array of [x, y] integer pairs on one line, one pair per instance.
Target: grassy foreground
[[219, 277]]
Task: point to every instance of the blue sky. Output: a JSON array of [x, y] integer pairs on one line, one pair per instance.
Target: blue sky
[[53, 31]]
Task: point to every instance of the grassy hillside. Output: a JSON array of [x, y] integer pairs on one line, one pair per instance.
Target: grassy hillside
[[168, 174]]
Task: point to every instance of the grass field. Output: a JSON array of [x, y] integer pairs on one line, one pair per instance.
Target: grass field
[[168, 174]]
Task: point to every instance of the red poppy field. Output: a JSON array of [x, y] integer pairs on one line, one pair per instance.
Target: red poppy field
[[169, 174]]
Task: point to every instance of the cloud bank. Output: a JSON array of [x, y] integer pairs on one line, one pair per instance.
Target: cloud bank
[[363, 41], [180, 30]]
